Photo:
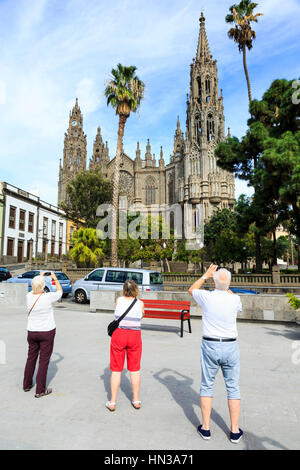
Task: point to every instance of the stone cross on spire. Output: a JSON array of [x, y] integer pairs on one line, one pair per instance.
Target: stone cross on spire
[[203, 51]]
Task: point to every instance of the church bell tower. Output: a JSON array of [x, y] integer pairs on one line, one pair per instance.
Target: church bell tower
[[75, 152]]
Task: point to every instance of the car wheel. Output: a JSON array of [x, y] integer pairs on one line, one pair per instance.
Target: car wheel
[[46, 290], [80, 297]]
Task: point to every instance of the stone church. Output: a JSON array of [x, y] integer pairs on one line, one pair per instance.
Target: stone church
[[192, 175]]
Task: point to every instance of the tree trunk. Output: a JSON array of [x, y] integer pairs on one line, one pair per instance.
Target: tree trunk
[[258, 256], [247, 74], [114, 228]]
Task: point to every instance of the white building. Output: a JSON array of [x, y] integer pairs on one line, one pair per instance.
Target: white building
[[29, 227]]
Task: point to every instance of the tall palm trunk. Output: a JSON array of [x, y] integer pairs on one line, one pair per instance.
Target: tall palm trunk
[[258, 256], [114, 232], [247, 74]]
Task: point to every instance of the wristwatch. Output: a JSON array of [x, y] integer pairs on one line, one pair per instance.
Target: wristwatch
[[203, 278]]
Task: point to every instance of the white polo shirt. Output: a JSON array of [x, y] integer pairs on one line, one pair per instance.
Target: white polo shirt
[[219, 312]]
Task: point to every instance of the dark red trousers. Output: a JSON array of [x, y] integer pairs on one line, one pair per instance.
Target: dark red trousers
[[40, 345]]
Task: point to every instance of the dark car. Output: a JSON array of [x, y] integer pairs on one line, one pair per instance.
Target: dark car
[[4, 274]]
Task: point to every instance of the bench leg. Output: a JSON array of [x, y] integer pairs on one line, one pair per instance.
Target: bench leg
[[190, 328], [181, 326]]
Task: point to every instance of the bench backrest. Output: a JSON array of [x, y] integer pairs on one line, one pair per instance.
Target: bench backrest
[[166, 308]]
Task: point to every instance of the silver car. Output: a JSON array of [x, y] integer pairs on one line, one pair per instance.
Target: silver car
[[113, 279]]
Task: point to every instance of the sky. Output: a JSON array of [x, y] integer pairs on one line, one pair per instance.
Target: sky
[[53, 51]]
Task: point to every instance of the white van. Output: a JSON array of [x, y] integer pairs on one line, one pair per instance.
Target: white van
[[113, 279]]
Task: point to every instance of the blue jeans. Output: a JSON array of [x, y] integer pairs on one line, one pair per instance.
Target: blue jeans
[[216, 354]]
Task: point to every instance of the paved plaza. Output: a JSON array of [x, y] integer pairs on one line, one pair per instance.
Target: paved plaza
[[75, 417]]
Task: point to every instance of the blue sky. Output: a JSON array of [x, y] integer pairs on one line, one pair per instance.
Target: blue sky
[[53, 51]]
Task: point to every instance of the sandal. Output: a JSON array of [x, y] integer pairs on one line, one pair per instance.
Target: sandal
[[47, 392], [134, 403], [108, 405]]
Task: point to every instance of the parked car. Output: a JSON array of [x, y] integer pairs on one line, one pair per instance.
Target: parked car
[[4, 274], [26, 278], [238, 290], [113, 279]]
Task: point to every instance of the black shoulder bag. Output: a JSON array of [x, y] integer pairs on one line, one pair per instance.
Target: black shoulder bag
[[115, 324]]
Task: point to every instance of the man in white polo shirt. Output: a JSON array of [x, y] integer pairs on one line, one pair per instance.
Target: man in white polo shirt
[[219, 346]]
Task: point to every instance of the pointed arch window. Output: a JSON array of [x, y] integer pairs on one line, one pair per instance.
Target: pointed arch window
[[171, 190], [207, 85], [210, 127], [78, 160], [150, 191], [199, 82]]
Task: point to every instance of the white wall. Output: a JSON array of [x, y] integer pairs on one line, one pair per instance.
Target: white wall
[[15, 233], [52, 216]]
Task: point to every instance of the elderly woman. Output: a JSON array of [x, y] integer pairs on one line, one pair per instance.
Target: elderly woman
[[127, 340], [41, 332], [219, 346]]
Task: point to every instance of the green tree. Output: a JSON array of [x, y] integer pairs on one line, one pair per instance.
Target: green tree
[[124, 92], [279, 114], [85, 193], [87, 249], [242, 15]]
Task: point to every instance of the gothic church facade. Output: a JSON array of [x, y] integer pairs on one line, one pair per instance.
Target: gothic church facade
[[192, 175]]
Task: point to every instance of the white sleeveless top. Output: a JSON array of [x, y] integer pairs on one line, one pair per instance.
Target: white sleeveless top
[[132, 321]]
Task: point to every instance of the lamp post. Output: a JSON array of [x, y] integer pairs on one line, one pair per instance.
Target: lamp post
[[164, 261], [141, 249]]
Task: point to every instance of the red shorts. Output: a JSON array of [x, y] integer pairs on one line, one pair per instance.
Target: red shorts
[[125, 342]]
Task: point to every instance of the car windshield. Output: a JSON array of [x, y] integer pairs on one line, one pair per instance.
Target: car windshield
[[96, 275], [30, 274], [3, 270], [156, 278]]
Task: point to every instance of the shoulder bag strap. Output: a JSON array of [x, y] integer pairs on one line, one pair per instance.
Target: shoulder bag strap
[[129, 308], [35, 303]]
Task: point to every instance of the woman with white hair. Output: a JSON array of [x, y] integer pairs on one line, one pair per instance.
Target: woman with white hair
[[41, 333], [219, 346]]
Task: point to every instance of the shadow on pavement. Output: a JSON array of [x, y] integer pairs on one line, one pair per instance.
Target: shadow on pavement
[[170, 329], [180, 388], [293, 333], [125, 386], [53, 369]]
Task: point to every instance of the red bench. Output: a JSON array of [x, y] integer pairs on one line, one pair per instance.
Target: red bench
[[169, 310]]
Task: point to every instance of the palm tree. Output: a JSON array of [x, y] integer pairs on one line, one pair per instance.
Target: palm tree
[[124, 92], [243, 35], [87, 248]]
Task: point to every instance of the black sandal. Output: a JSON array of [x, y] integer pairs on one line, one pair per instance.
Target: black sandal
[[47, 392]]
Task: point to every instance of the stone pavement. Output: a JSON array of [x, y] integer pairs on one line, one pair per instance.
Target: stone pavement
[[74, 416]]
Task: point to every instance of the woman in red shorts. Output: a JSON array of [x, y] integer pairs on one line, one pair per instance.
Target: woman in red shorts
[[127, 341]]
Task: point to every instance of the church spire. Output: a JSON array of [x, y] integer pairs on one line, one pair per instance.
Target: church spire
[[203, 51]]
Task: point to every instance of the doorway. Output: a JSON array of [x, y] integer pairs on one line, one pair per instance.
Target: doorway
[[20, 251]]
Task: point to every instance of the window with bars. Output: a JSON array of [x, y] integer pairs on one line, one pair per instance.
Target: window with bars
[[12, 217], [22, 221], [30, 222]]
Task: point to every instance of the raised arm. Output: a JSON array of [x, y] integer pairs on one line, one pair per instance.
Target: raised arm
[[199, 283], [57, 283]]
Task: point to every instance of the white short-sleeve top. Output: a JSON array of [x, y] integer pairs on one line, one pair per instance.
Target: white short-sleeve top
[[41, 317], [219, 312], [132, 321]]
